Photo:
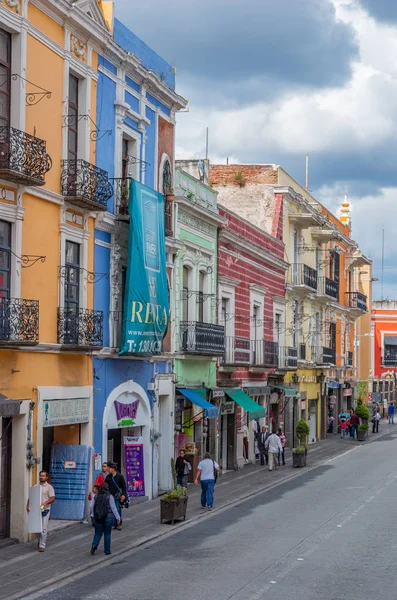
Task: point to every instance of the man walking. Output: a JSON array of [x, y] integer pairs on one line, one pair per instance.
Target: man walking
[[47, 498], [207, 472], [390, 411], [262, 441], [117, 488], [273, 445]]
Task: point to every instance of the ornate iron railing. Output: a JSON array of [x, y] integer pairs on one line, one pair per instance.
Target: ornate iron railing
[[264, 353], [357, 300], [288, 358], [81, 328], [85, 184], [328, 287], [23, 157], [19, 321], [301, 274], [202, 338], [121, 194], [237, 351]]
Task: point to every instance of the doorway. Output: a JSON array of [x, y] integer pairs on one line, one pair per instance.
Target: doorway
[[5, 476]]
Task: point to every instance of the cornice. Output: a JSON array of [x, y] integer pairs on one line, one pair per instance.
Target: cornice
[[229, 281], [199, 211], [255, 251], [255, 287], [45, 194]]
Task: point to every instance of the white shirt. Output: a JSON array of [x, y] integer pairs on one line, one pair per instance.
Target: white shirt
[[206, 467], [273, 443]]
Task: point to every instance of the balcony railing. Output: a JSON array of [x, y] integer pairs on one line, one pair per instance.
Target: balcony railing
[[19, 321], [81, 328], [389, 361], [121, 196], [23, 157], [357, 301], [202, 338], [328, 287], [264, 353], [323, 356], [288, 358], [237, 351], [85, 185], [302, 275], [349, 359]]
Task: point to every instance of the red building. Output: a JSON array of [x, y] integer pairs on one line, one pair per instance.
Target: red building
[[384, 352], [251, 289]]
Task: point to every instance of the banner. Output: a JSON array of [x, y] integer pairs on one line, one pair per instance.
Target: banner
[[146, 304], [135, 476]]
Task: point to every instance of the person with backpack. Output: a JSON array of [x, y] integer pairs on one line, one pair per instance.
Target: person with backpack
[[117, 488], [207, 472], [103, 512]]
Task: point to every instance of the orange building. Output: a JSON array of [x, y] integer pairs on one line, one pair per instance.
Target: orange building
[[384, 352]]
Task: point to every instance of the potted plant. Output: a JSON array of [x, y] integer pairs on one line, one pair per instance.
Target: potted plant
[[170, 196], [173, 504], [362, 432], [299, 454]]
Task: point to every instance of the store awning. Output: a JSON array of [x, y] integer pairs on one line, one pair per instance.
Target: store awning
[[287, 391], [255, 410], [197, 396], [8, 407]]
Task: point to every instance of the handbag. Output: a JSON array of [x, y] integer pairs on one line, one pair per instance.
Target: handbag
[[215, 472], [45, 512], [127, 500]]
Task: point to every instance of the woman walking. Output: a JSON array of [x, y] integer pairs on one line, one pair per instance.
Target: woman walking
[[283, 441], [103, 512]]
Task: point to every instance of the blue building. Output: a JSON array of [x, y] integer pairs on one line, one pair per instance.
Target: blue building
[[133, 394]]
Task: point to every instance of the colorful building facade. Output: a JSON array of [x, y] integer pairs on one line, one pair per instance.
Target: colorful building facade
[[382, 384], [51, 192]]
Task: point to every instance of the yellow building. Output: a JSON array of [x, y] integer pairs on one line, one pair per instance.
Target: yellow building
[[50, 194]]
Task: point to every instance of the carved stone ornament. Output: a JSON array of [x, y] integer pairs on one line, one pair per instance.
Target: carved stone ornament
[[78, 47], [116, 275], [196, 223], [13, 4]]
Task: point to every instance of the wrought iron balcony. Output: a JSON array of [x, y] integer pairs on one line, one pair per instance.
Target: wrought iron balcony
[[85, 185], [237, 351], [287, 358], [202, 338], [323, 356], [121, 195], [357, 301], [81, 328], [23, 157], [264, 353], [19, 321], [303, 276], [349, 359], [328, 287], [168, 216]]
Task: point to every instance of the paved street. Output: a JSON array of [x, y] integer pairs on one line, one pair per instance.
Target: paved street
[[294, 537]]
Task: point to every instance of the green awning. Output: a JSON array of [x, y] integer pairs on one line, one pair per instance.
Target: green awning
[[288, 392], [255, 410]]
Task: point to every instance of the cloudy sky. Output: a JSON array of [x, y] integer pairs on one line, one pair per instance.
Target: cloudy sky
[[274, 79]]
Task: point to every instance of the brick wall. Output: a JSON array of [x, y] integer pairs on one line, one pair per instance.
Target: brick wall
[[228, 174]]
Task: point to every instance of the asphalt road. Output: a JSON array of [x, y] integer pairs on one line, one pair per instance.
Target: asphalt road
[[328, 534]]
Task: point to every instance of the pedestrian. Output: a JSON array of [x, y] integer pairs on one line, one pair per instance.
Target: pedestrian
[[343, 428], [183, 468], [331, 425], [354, 423], [103, 512], [102, 476], [262, 442], [47, 498], [207, 472], [117, 488], [283, 441], [377, 419], [273, 445], [390, 411]]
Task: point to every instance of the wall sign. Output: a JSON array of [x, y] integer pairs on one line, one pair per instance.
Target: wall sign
[[126, 413], [66, 412], [348, 392], [227, 407], [146, 306], [135, 475]]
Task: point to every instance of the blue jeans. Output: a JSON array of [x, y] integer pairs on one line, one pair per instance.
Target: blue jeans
[[207, 492], [391, 419], [104, 528], [354, 430]]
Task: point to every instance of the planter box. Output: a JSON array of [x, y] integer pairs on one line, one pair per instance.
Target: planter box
[[172, 510], [298, 460], [361, 436]]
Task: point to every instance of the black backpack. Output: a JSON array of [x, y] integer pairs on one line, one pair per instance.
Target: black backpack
[[101, 507]]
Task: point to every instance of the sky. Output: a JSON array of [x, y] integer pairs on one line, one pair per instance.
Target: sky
[[276, 79]]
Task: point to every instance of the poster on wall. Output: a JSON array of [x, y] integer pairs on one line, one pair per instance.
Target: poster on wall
[[134, 467], [146, 305]]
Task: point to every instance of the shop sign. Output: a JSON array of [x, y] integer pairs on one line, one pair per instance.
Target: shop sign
[[303, 404], [146, 306], [69, 464], [333, 384], [307, 378], [227, 407], [135, 475], [66, 412], [126, 413], [332, 400], [218, 394], [97, 461], [348, 392], [274, 398]]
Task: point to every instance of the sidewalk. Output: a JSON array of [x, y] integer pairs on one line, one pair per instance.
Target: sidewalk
[[23, 570]]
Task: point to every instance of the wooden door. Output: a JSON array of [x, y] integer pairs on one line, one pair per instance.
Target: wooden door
[[5, 477]]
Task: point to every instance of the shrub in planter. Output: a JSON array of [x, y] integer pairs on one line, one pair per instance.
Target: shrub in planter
[[362, 432], [173, 504], [299, 456], [362, 410], [302, 430]]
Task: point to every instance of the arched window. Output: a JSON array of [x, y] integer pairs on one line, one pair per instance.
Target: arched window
[[167, 177]]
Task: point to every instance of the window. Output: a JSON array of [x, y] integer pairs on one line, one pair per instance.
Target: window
[[185, 294], [200, 299], [5, 259], [256, 318], [5, 77], [72, 276], [390, 350], [332, 335], [73, 111], [336, 267]]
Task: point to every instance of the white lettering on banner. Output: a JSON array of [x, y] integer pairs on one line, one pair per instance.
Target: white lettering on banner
[[66, 412], [218, 394], [307, 378]]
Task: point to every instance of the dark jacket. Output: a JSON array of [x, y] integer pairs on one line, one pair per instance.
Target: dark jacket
[[261, 444], [180, 466], [120, 481]]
